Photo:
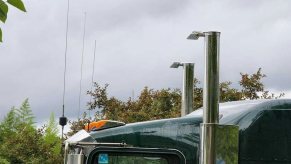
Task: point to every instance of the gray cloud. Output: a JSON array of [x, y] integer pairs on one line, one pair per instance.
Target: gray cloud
[[136, 43]]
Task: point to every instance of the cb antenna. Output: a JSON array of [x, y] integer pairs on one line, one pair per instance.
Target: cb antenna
[[92, 78], [63, 120], [83, 48]]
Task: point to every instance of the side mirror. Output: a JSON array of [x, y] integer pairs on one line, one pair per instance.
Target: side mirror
[[125, 155]]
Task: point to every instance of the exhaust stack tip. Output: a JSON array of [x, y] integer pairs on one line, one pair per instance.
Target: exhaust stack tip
[[176, 65], [195, 35]]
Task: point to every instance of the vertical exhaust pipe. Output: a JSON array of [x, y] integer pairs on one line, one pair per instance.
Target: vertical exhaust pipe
[[187, 91], [210, 95], [211, 78]]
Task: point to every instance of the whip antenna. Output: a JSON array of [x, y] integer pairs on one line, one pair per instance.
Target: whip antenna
[[63, 120], [82, 66], [92, 79]]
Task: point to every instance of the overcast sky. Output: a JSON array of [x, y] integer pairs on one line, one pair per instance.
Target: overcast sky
[[136, 43]]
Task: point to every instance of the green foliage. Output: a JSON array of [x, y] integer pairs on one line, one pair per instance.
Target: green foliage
[[0, 35], [51, 127], [229, 94], [18, 4], [4, 10], [3, 161], [197, 94], [18, 134], [99, 95], [24, 114], [8, 126], [252, 85], [150, 105], [21, 142], [21, 145], [51, 135], [77, 125], [165, 103]]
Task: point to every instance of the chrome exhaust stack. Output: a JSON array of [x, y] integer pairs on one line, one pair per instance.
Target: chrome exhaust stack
[[213, 144], [187, 92], [211, 76]]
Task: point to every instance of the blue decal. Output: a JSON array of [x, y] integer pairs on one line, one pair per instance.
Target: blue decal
[[103, 159]]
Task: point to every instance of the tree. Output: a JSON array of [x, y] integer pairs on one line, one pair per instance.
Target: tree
[[227, 93], [165, 103], [21, 142], [9, 124], [18, 135], [78, 125], [24, 114], [4, 10], [151, 104], [198, 94], [51, 138], [252, 85]]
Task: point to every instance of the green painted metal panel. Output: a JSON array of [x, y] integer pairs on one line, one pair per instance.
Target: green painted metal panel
[[264, 132]]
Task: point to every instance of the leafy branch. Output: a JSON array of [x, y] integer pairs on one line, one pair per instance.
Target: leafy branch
[[4, 10]]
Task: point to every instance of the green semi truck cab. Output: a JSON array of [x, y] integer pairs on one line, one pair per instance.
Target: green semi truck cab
[[264, 137]]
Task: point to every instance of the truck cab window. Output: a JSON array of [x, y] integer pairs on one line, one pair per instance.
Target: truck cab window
[[119, 155], [105, 158]]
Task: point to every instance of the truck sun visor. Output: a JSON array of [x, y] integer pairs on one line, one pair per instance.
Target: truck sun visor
[[82, 135]]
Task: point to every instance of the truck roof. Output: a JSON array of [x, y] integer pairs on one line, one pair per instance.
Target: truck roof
[[229, 112], [241, 113]]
